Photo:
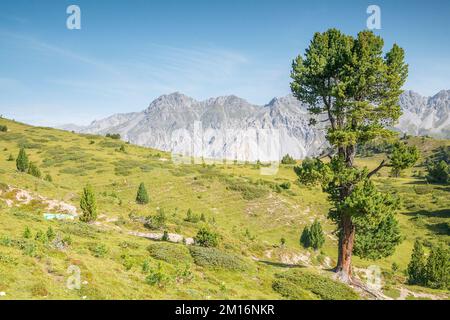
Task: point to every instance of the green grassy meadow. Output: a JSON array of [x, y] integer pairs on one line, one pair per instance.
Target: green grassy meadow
[[249, 212]]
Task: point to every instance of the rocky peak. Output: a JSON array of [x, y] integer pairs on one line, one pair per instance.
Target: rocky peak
[[171, 101]]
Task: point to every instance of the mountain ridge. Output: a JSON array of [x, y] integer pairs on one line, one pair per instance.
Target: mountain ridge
[[227, 120]]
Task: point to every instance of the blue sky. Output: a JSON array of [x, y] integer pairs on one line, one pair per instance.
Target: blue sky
[[129, 52]]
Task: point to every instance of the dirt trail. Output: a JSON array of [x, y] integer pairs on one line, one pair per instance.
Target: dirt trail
[[173, 237]]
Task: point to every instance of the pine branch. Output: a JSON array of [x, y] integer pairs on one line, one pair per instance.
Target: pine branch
[[380, 166]]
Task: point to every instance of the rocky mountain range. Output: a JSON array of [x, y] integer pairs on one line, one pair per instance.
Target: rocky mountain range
[[229, 127]]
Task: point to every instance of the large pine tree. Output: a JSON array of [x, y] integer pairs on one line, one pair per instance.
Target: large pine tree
[[351, 85]]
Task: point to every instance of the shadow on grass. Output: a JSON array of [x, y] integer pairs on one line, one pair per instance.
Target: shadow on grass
[[418, 181], [434, 223], [280, 264], [443, 188], [445, 213], [424, 182], [439, 228]]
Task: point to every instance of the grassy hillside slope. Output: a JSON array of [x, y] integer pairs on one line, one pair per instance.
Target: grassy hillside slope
[[249, 211]]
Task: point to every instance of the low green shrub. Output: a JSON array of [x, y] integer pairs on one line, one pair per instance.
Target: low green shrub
[[292, 284], [59, 155], [26, 144], [114, 136], [76, 171], [287, 159], [98, 250], [5, 259], [206, 238], [39, 290], [285, 185], [425, 189], [48, 178], [248, 190], [157, 277], [169, 252], [128, 245], [33, 169], [216, 259], [157, 221], [127, 261], [192, 217], [28, 248], [292, 291], [80, 229], [12, 136], [6, 241]]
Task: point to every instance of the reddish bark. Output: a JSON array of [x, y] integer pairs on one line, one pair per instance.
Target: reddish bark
[[346, 241], [347, 228]]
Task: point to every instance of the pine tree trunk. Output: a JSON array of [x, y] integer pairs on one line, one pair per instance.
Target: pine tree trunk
[[345, 249], [346, 227]]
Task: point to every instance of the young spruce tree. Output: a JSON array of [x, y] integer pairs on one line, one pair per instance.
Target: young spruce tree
[[437, 270], [22, 162], [88, 205], [317, 237], [416, 267], [33, 169], [313, 236], [142, 195], [305, 237]]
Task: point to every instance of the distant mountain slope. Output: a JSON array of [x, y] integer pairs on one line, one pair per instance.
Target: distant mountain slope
[[425, 115], [228, 121]]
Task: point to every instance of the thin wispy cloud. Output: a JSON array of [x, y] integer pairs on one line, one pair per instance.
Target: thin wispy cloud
[[134, 79], [169, 64], [37, 45], [14, 18]]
